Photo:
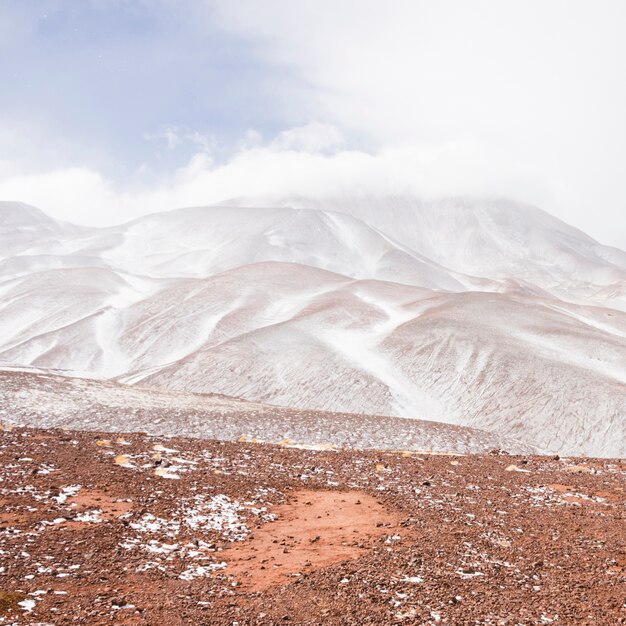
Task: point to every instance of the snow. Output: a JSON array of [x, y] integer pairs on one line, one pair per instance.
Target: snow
[[361, 350], [486, 238], [479, 313], [89, 516], [200, 571], [47, 401], [66, 492], [219, 513], [28, 604]]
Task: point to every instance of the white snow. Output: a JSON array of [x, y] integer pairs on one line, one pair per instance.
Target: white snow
[[28, 604], [89, 516], [200, 571], [66, 492], [480, 313]]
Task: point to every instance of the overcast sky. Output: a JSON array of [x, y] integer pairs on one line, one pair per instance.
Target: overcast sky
[[114, 108]]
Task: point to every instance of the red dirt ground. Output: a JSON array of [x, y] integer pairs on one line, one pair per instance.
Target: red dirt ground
[[314, 529], [178, 534]]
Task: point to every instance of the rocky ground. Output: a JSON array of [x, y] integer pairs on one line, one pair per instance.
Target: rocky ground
[[100, 528]]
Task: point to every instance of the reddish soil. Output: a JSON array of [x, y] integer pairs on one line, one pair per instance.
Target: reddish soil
[[94, 499], [178, 533], [314, 529]]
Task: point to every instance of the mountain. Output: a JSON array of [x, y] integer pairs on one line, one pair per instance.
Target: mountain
[[481, 314], [49, 400], [22, 226], [495, 239]]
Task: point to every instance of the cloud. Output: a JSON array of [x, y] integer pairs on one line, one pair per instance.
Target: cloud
[[68, 194], [169, 134], [305, 160], [314, 137], [173, 136], [480, 97], [534, 88]]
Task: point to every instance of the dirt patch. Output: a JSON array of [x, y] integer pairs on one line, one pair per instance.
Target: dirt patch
[[568, 493], [103, 507], [12, 519], [314, 529], [110, 508], [9, 601], [6, 517]]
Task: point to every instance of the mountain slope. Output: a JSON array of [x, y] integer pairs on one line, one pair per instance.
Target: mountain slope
[[494, 239], [44, 400], [22, 226], [519, 367], [454, 314]]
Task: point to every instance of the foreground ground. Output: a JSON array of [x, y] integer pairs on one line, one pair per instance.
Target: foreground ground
[[100, 528]]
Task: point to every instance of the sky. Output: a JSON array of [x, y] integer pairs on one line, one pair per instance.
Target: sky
[[110, 109]]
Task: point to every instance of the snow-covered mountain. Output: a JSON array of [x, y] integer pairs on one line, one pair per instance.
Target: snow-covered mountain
[[485, 314], [495, 239]]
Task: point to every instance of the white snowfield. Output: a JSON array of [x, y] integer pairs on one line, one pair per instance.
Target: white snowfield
[[485, 314]]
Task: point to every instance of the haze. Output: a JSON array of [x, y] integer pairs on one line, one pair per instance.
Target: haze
[[113, 109]]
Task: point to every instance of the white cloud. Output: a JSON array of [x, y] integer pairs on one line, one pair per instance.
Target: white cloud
[[173, 136], [70, 193], [531, 91], [481, 97], [170, 134], [314, 137], [306, 160]]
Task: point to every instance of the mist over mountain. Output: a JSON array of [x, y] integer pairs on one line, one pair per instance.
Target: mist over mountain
[[479, 313]]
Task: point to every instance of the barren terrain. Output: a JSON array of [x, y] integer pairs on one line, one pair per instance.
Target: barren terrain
[[44, 400], [104, 528]]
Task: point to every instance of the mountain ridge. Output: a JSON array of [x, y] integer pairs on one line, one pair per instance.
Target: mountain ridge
[[320, 309]]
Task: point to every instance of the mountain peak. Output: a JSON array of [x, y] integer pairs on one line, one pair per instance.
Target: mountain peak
[[19, 214]]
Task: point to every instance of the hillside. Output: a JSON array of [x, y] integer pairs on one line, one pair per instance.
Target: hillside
[[489, 315]]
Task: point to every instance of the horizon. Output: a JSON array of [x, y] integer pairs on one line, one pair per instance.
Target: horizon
[[291, 202]]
